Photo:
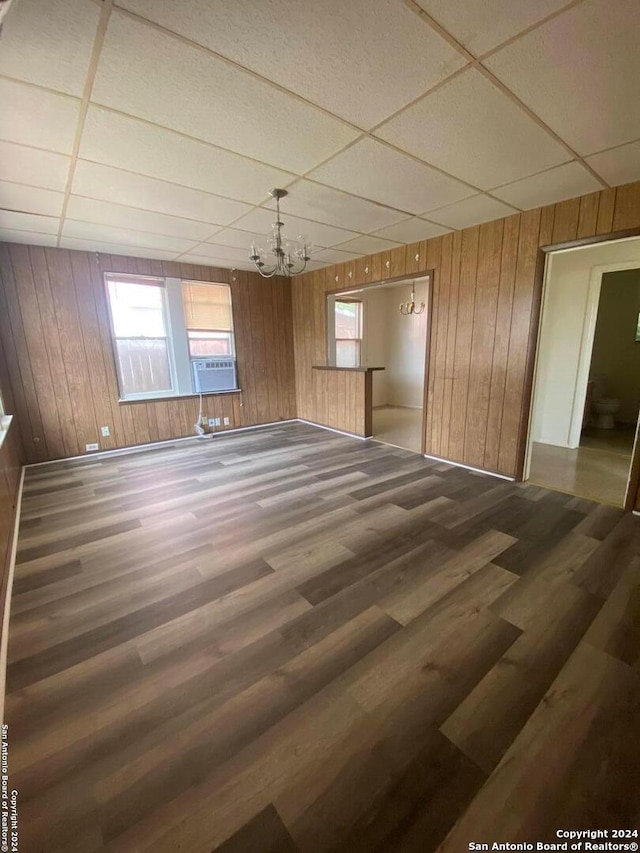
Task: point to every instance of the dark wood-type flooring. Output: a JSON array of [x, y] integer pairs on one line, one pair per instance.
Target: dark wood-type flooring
[[288, 640]]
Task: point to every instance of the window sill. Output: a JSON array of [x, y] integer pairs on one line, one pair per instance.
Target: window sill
[[132, 402], [5, 423]]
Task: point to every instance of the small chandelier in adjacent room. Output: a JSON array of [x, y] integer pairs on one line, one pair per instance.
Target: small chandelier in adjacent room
[[410, 307], [289, 257]]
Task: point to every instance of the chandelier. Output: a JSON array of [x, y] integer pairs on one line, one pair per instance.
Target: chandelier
[[408, 308], [289, 257]]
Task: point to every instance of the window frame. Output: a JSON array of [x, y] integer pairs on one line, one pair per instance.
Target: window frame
[[345, 300], [177, 337], [126, 278], [228, 332]]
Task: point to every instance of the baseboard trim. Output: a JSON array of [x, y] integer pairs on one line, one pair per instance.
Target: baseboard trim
[[140, 448], [333, 429], [470, 468], [4, 641]]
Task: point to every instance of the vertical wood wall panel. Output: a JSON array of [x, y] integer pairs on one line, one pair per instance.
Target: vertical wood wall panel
[[483, 340], [588, 216], [21, 372], [485, 307], [627, 204], [519, 338], [606, 208], [342, 399], [464, 332], [10, 465], [434, 254], [60, 364], [500, 354], [442, 282], [11, 461], [452, 326]]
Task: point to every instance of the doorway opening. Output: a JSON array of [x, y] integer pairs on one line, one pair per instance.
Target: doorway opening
[[586, 399], [366, 328]]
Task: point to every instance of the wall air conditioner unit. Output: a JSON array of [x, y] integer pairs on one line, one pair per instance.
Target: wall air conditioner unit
[[217, 373]]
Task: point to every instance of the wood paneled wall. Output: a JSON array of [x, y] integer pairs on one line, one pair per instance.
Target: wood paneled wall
[[343, 400], [10, 465], [11, 461], [60, 365], [486, 303]]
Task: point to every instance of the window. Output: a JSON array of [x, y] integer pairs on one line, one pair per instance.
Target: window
[[140, 335], [171, 338], [348, 330], [208, 319]]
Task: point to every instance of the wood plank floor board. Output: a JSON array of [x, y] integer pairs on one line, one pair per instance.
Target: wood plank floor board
[[290, 641]]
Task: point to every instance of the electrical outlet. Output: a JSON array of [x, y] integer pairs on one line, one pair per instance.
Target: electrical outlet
[[212, 422], [226, 421], [105, 431], [90, 447]]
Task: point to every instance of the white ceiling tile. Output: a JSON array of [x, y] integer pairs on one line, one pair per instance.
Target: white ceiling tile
[[29, 222], [57, 117], [32, 238], [222, 263], [618, 165], [472, 211], [367, 245], [148, 73], [579, 73], [90, 245], [260, 220], [566, 181], [231, 253], [334, 256], [126, 143], [104, 182], [361, 60], [473, 131], [30, 199], [107, 213], [31, 166], [33, 32], [124, 236], [411, 231], [372, 170], [324, 204], [481, 25], [234, 238]]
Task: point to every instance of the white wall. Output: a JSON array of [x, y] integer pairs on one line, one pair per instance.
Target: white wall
[[375, 341], [406, 344], [616, 354], [562, 336]]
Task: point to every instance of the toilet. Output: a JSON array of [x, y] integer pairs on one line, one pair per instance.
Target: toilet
[[603, 408]]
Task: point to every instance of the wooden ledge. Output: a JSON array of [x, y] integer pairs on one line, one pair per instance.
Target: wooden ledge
[[348, 369]]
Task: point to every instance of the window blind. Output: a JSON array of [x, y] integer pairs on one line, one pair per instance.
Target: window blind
[[207, 307]]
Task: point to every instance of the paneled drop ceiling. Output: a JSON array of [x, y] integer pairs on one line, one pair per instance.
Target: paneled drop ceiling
[[156, 127]]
